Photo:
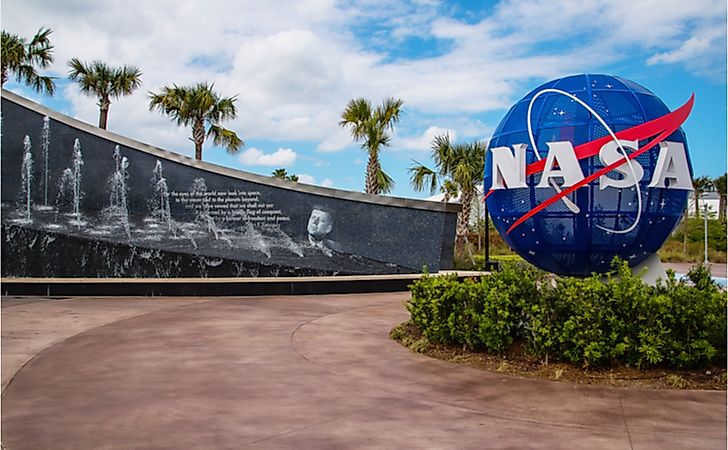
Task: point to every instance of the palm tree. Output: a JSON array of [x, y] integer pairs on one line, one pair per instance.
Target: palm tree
[[720, 186], [700, 186], [449, 189], [370, 125], [283, 175], [99, 80], [460, 164], [21, 59], [199, 106]]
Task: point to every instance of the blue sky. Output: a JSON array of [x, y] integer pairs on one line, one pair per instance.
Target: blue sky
[[458, 66]]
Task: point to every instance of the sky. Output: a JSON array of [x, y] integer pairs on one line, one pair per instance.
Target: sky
[[457, 65]]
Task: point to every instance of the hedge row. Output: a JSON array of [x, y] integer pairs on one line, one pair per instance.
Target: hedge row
[[588, 321]]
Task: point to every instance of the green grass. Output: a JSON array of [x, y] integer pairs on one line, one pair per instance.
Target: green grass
[[676, 249]]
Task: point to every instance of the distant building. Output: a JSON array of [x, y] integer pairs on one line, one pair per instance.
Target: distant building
[[476, 210], [709, 199]]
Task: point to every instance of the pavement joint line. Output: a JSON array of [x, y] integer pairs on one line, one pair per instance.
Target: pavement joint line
[[626, 425], [89, 330], [378, 404], [504, 414], [311, 320], [517, 416]]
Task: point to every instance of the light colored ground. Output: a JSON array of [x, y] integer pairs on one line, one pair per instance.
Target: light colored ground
[[301, 372]]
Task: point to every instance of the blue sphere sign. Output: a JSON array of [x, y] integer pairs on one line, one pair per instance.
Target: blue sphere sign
[[585, 168]]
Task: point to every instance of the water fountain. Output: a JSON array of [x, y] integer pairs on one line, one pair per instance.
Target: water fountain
[[160, 202], [118, 208], [199, 189], [26, 180], [71, 181], [45, 145]]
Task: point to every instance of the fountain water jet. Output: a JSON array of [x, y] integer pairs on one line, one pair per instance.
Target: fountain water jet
[[71, 181], [160, 203], [26, 179], [199, 188], [117, 198], [45, 145]]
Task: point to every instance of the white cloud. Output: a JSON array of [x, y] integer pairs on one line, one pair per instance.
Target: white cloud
[[306, 178], [283, 157], [295, 72], [694, 48], [424, 141], [337, 140], [309, 179]]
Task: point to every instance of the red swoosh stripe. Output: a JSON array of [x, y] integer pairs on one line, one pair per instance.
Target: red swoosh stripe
[[665, 126]]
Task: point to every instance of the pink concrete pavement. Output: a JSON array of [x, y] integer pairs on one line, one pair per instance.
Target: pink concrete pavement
[[296, 372], [716, 269]]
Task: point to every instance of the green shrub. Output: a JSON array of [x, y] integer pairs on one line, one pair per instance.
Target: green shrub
[[481, 314], [433, 300], [591, 321]]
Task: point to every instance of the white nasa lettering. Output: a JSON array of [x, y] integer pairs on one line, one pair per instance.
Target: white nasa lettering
[[561, 153], [609, 154], [672, 165], [671, 170], [509, 169]]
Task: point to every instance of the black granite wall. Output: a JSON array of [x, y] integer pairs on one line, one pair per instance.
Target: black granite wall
[[92, 203]]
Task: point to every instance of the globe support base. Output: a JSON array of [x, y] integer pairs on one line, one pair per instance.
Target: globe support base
[[655, 270]]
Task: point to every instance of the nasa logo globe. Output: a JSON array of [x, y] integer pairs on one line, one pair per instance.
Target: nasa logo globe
[[585, 168]]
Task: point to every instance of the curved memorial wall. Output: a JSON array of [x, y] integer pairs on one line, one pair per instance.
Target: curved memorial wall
[[78, 201]]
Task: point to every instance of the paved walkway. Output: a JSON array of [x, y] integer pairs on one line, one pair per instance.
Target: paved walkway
[[296, 372], [719, 270]]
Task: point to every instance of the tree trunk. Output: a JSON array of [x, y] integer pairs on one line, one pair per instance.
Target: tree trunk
[[697, 196], [721, 208], [685, 234], [461, 231], [198, 137], [373, 168], [104, 104]]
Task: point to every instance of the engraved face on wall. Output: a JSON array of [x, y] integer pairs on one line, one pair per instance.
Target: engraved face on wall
[[319, 224]]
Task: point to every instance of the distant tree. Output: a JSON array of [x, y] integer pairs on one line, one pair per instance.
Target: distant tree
[[449, 189], [99, 80], [720, 187], [199, 106], [283, 175], [22, 59], [459, 164], [370, 125], [701, 185]]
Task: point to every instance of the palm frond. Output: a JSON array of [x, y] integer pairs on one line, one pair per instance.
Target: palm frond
[[21, 59], [450, 189], [225, 138], [125, 80], [387, 114], [422, 177], [442, 152], [43, 84], [357, 116], [385, 183]]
